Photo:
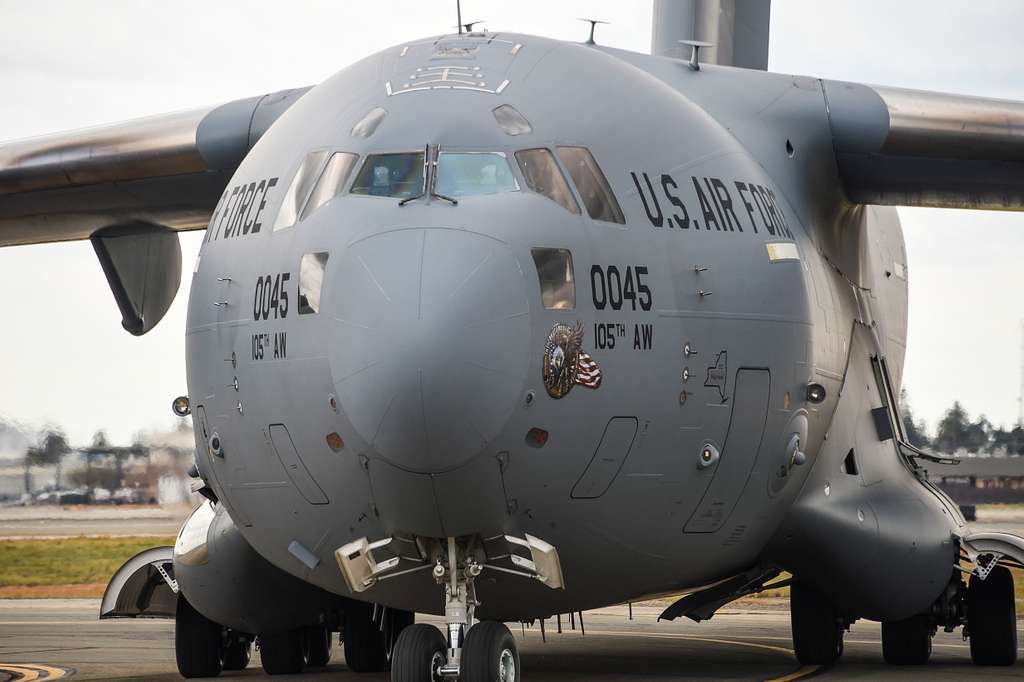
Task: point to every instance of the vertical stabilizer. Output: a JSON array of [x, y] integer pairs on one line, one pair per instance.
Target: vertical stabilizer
[[738, 30]]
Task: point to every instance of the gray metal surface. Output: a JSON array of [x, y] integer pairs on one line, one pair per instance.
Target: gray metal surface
[[914, 148], [163, 170], [737, 30]]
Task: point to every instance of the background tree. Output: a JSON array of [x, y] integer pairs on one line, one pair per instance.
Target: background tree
[[52, 448], [916, 431], [952, 428], [956, 431]]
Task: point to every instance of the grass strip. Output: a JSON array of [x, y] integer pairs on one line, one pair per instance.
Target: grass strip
[[66, 561]]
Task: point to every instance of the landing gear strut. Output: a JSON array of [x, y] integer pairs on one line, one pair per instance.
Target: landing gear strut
[[473, 651], [466, 650]]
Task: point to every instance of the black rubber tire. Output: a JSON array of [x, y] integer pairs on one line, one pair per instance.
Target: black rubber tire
[[284, 653], [484, 650], [907, 642], [817, 626], [992, 618], [198, 642], [419, 650], [319, 639], [365, 646], [237, 653]]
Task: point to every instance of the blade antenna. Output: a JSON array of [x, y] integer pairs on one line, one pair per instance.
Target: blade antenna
[[593, 24]]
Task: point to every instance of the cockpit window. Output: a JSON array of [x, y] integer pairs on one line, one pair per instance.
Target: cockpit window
[[543, 176], [591, 183], [311, 281], [331, 181], [391, 175], [299, 189], [557, 281], [462, 174], [510, 120], [367, 125]]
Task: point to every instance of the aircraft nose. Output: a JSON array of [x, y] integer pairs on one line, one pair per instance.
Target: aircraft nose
[[429, 343]]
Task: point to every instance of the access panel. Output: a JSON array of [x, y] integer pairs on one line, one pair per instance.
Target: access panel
[[739, 454], [608, 459], [293, 465]]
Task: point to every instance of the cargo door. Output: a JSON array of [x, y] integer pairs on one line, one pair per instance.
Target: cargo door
[[739, 453]]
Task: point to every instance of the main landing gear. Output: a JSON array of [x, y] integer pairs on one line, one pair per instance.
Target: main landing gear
[[992, 618], [818, 626], [203, 648], [984, 607]]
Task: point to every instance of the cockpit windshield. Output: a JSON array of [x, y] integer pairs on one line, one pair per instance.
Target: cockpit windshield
[[461, 174], [391, 175]]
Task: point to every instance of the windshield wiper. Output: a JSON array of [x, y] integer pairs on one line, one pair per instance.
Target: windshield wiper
[[426, 176], [435, 195]]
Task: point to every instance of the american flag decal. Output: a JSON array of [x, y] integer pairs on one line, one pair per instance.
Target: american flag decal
[[588, 372]]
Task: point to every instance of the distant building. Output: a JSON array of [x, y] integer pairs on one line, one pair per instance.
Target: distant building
[[982, 480]]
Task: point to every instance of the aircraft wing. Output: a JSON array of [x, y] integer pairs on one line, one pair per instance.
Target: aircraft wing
[[914, 148], [130, 188], [167, 171]]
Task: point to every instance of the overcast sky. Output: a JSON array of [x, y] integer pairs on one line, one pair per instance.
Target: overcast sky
[[65, 359]]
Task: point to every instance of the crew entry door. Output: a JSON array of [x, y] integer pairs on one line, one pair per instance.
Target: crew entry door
[[739, 453]]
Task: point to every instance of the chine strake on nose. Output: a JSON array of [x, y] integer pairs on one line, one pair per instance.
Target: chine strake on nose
[[429, 346]]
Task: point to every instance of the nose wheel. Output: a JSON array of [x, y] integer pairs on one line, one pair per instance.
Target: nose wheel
[[420, 653], [489, 653]]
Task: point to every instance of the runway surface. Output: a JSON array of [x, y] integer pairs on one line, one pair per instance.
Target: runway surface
[[48, 639], [50, 521]]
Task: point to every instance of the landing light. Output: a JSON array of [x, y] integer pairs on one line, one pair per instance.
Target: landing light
[[181, 406], [815, 393]]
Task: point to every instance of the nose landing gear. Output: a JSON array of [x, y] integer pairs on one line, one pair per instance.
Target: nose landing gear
[[472, 651]]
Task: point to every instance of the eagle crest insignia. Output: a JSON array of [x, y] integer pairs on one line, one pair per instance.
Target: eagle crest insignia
[[566, 363]]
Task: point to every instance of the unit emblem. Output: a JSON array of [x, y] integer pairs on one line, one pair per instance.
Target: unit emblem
[[565, 362]]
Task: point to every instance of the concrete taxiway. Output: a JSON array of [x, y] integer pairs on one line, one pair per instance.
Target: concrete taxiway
[[49, 639]]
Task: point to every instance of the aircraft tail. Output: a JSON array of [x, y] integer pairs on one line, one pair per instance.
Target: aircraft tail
[[737, 30]]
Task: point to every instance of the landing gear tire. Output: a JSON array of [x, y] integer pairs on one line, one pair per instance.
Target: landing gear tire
[[319, 639], [198, 642], [284, 653], [992, 618], [907, 642], [237, 653], [817, 626], [419, 653], [489, 654], [365, 645]]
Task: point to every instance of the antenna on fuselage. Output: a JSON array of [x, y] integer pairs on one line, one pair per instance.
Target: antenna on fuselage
[[469, 26], [458, 12], [593, 24]]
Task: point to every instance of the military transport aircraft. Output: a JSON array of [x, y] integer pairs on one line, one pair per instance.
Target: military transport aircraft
[[472, 334]]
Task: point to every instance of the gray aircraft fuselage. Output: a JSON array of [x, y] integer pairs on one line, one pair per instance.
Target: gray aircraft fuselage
[[728, 289]]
